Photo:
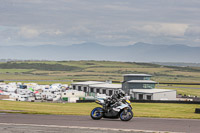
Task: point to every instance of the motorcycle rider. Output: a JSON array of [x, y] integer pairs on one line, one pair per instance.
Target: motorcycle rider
[[114, 98], [116, 106]]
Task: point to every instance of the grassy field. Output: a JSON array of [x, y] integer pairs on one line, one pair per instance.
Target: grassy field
[[183, 89], [104, 70], [99, 70], [95, 70], [7, 71], [160, 110]]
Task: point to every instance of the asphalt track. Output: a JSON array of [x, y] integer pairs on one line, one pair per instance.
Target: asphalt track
[[83, 123]]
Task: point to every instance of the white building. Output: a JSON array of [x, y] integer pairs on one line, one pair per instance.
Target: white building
[[84, 86], [97, 87], [72, 95], [106, 88], [153, 94], [140, 87]]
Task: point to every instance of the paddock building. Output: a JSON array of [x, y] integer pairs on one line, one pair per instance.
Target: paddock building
[[97, 87], [141, 87], [138, 86]]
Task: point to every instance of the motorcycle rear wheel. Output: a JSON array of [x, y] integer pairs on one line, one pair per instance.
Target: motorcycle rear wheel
[[126, 115], [96, 113]]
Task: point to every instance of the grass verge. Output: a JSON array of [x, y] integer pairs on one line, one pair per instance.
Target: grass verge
[[160, 110], [183, 90]]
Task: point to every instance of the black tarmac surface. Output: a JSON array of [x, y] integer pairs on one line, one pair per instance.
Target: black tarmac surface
[[152, 124]]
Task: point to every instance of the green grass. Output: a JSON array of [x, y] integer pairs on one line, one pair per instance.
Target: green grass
[[102, 70], [42, 82], [190, 86], [27, 77], [182, 90], [160, 110], [166, 110], [15, 70], [105, 70], [48, 108]]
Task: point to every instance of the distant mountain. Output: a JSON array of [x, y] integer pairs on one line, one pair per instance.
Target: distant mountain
[[139, 52]]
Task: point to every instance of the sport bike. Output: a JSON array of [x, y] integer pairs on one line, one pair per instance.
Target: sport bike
[[120, 108]]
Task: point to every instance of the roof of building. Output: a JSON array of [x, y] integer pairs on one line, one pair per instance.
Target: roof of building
[[142, 75], [151, 91], [107, 85], [142, 81], [88, 83]]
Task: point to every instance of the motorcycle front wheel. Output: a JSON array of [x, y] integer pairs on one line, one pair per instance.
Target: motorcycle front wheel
[[97, 113], [126, 115]]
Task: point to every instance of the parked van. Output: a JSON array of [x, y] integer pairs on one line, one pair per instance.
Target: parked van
[[23, 98], [38, 97]]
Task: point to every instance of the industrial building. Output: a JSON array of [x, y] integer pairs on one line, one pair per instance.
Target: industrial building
[[97, 87], [137, 86], [141, 87]]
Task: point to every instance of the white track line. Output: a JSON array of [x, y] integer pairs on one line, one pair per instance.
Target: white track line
[[93, 128]]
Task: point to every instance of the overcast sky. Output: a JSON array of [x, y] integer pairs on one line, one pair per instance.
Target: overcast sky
[[108, 22]]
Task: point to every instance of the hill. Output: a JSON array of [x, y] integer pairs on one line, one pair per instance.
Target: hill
[[139, 52], [93, 70]]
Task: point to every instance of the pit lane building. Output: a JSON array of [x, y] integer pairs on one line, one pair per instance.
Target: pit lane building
[[141, 87], [96, 87], [138, 86]]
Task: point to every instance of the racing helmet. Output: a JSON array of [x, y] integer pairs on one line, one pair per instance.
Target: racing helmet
[[121, 93]]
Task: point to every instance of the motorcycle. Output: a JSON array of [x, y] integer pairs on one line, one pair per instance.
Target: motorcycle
[[120, 109]]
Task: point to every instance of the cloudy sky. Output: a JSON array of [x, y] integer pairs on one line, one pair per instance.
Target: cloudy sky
[[108, 22]]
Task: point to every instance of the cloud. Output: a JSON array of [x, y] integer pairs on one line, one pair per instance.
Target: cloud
[[29, 32], [113, 22], [165, 29], [193, 31], [78, 30], [53, 32], [120, 7]]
